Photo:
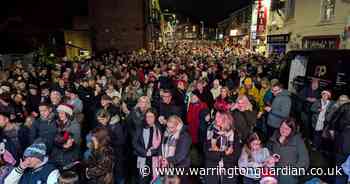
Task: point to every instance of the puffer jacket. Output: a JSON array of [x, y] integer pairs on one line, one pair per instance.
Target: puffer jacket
[[280, 109]]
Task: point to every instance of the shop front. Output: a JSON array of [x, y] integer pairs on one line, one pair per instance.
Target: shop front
[[277, 44], [321, 42]]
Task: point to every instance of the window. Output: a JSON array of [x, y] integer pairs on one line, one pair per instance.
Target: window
[[290, 8], [327, 10]]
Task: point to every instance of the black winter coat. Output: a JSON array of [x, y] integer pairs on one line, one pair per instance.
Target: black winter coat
[[340, 122], [168, 110], [182, 159], [46, 130], [244, 122], [118, 137], [230, 161]]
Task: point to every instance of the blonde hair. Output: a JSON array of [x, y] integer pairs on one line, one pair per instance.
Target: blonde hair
[[176, 118], [228, 120], [227, 91], [244, 98], [265, 81], [343, 99], [145, 99]]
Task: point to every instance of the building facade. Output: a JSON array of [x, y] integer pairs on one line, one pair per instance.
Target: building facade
[[236, 28], [118, 24], [308, 24]]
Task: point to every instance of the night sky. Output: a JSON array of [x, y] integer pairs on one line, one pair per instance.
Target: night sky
[[56, 12], [210, 11]]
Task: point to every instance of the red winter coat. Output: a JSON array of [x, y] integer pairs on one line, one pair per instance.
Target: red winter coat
[[193, 119]]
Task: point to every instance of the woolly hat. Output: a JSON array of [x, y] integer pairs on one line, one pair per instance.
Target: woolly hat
[[37, 150], [248, 81], [326, 92], [68, 109]]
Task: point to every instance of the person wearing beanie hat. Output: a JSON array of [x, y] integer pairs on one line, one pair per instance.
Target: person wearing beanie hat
[[69, 152], [249, 89], [320, 110], [37, 150], [66, 108], [34, 168]]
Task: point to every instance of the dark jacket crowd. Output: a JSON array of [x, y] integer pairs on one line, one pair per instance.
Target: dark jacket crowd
[[105, 119]]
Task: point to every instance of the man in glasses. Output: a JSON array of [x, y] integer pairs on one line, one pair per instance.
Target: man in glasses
[[280, 108], [167, 107]]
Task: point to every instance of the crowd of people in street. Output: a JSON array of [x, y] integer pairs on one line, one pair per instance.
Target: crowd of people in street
[[101, 120]]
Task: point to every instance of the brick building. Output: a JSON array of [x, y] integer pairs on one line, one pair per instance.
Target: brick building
[[117, 24]]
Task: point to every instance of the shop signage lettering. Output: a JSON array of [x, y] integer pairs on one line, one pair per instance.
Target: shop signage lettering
[[320, 71], [278, 38], [321, 43]]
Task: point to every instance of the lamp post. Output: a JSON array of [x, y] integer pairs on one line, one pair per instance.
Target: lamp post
[[202, 23]]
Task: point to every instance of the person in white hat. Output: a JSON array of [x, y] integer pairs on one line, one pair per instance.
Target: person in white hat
[[65, 154], [319, 110]]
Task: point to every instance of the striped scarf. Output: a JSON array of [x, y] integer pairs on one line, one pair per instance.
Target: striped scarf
[[222, 139], [170, 141]]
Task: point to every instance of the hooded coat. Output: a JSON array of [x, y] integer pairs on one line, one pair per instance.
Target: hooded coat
[[280, 109]]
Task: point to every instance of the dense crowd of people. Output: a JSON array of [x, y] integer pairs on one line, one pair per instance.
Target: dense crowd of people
[[101, 120]]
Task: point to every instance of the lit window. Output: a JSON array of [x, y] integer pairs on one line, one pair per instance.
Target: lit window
[[327, 10]]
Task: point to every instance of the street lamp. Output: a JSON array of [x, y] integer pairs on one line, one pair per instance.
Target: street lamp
[[202, 23]]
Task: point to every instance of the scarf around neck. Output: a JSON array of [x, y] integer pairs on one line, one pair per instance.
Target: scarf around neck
[[222, 139], [170, 141]]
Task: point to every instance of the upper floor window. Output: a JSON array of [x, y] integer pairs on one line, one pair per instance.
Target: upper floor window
[[289, 8], [327, 10]]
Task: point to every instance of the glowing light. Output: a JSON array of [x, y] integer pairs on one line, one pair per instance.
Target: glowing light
[[233, 32]]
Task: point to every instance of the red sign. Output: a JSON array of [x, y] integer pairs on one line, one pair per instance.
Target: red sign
[[262, 18]]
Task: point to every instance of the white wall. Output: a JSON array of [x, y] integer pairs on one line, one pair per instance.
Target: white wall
[[307, 20]]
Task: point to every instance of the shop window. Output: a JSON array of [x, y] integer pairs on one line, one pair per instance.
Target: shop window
[[327, 10], [289, 8], [285, 7]]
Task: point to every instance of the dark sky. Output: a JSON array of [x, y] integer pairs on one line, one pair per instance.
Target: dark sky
[[56, 12], [44, 12], [210, 11]]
